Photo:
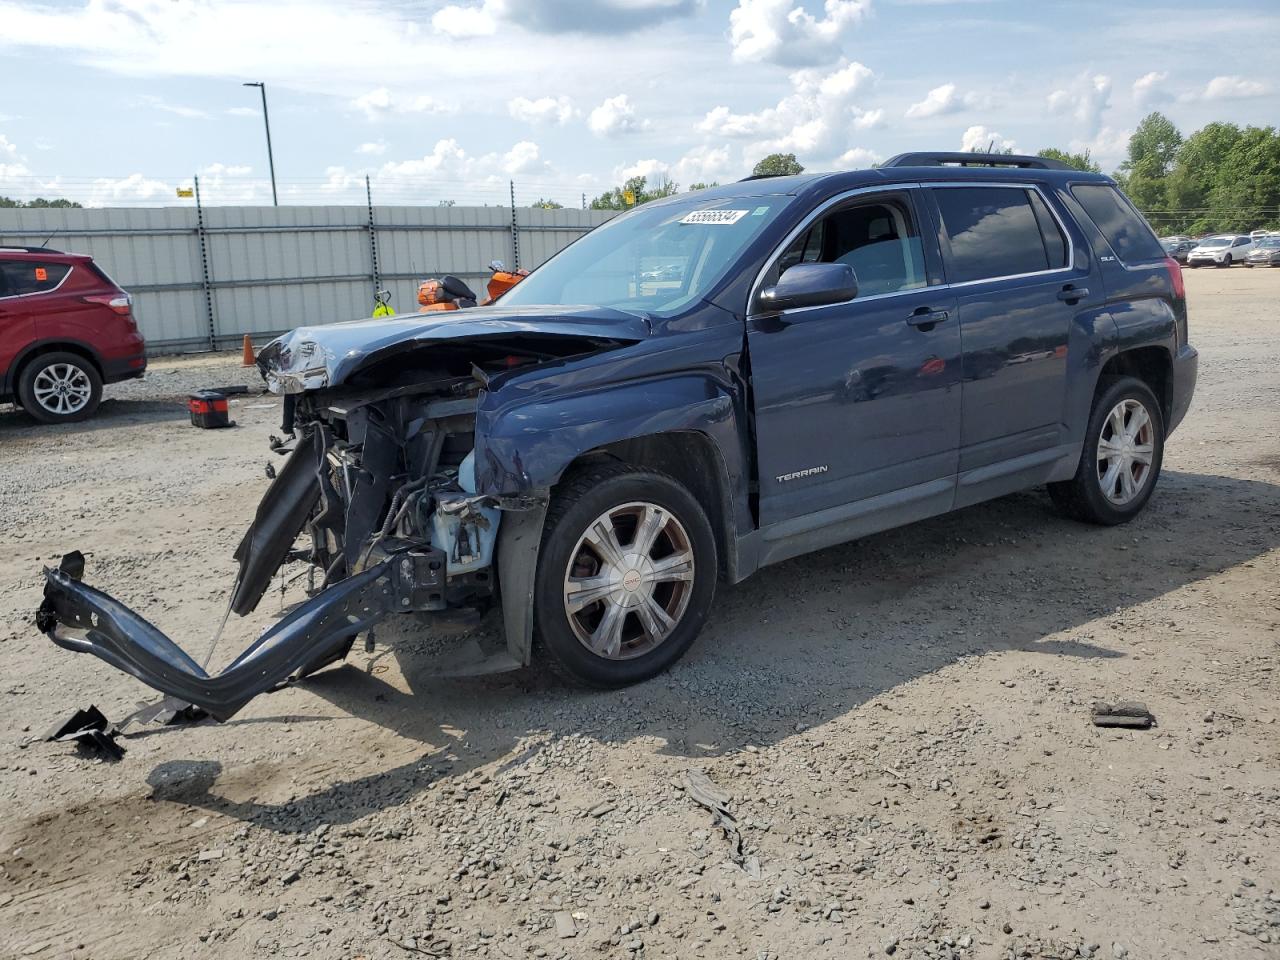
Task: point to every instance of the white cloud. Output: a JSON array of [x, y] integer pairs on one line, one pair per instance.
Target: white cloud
[[380, 101], [981, 139], [191, 113], [615, 116], [243, 112], [813, 120], [524, 158], [859, 158], [784, 32], [1108, 148], [372, 149], [461, 22], [559, 16], [448, 161], [7, 148], [1148, 88], [704, 164], [867, 119], [226, 170], [557, 110], [1085, 99], [940, 101], [1232, 88]]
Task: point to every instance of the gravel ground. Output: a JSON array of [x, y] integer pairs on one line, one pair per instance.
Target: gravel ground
[[900, 726]]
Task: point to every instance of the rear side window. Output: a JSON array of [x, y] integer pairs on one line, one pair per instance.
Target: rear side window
[[21, 277], [997, 232], [1128, 234]]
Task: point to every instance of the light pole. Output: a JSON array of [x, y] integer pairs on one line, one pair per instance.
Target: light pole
[[275, 201]]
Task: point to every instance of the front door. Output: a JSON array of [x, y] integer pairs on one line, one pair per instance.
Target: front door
[[857, 404]]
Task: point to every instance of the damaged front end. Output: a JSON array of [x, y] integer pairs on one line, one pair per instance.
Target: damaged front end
[[376, 506]]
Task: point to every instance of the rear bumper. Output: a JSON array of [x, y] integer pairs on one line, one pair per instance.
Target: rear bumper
[[126, 368], [1186, 365]]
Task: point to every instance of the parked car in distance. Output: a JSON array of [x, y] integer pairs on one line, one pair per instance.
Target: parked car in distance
[[1220, 251], [66, 328], [1178, 248], [843, 353], [1265, 252]]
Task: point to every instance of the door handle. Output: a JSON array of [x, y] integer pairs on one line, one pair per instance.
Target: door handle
[[1070, 293], [926, 317]]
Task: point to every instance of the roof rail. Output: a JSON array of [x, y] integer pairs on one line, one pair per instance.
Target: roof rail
[[19, 249], [974, 160], [763, 176]]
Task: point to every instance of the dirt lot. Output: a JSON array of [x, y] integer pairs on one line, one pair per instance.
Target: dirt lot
[[902, 724]]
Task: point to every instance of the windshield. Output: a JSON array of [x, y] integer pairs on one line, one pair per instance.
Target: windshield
[[1215, 242], [655, 260], [1269, 242]]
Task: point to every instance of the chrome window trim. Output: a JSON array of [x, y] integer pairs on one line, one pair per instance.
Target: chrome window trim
[[804, 225], [40, 293], [1071, 243], [901, 188]]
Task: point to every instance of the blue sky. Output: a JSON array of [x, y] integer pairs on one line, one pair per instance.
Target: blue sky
[[120, 101]]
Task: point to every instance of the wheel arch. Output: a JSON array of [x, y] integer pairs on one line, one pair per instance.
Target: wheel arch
[[1153, 365], [693, 459], [38, 347], [688, 425]]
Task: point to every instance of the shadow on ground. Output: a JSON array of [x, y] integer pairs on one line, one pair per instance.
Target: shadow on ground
[[113, 413], [802, 642]]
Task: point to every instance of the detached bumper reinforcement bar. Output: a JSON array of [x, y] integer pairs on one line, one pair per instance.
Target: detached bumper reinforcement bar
[[79, 618]]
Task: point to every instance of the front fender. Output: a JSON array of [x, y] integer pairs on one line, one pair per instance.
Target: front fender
[[525, 446]]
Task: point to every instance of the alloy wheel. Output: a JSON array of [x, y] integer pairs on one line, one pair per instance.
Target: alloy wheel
[[62, 389], [1126, 448], [629, 580]]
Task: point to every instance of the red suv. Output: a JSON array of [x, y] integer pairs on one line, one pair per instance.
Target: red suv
[[65, 330]]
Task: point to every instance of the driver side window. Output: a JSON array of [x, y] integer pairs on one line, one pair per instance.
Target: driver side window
[[878, 238]]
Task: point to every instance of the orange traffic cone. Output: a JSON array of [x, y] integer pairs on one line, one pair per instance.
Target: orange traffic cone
[[249, 359]]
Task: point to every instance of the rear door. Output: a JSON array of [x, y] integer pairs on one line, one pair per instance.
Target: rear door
[[1010, 258], [17, 326]]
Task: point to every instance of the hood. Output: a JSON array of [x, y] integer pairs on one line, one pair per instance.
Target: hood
[[311, 358]]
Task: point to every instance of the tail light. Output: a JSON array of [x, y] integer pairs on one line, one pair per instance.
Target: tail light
[[120, 303], [1175, 277]]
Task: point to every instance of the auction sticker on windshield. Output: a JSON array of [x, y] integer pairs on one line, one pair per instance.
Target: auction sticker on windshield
[[714, 216]]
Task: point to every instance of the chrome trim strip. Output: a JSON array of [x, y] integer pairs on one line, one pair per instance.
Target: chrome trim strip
[[41, 293], [900, 187]]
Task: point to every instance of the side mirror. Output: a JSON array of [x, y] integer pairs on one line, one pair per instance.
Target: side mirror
[[811, 285]]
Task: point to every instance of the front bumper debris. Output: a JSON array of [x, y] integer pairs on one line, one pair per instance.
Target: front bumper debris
[[320, 631]]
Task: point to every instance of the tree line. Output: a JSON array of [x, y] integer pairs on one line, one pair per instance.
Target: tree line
[[1223, 177]]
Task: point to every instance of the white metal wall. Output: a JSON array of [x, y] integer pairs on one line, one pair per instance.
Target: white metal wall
[[263, 270]]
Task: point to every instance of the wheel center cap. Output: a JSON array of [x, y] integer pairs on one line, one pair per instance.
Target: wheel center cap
[[631, 580]]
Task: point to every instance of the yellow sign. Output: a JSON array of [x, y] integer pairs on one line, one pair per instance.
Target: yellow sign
[[630, 198], [186, 192]]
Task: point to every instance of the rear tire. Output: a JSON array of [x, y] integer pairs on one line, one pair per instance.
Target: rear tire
[[1120, 463], [626, 574], [59, 387]]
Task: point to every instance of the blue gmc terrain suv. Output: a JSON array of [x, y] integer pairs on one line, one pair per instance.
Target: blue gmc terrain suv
[[701, 387]]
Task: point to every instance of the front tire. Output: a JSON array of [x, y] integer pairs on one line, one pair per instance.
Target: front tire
[[60, 388], [1120, 463], [1225, 261], [626, 574]]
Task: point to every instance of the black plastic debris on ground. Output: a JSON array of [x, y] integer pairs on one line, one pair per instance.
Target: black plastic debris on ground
[[92, 730], [1126, 713]]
